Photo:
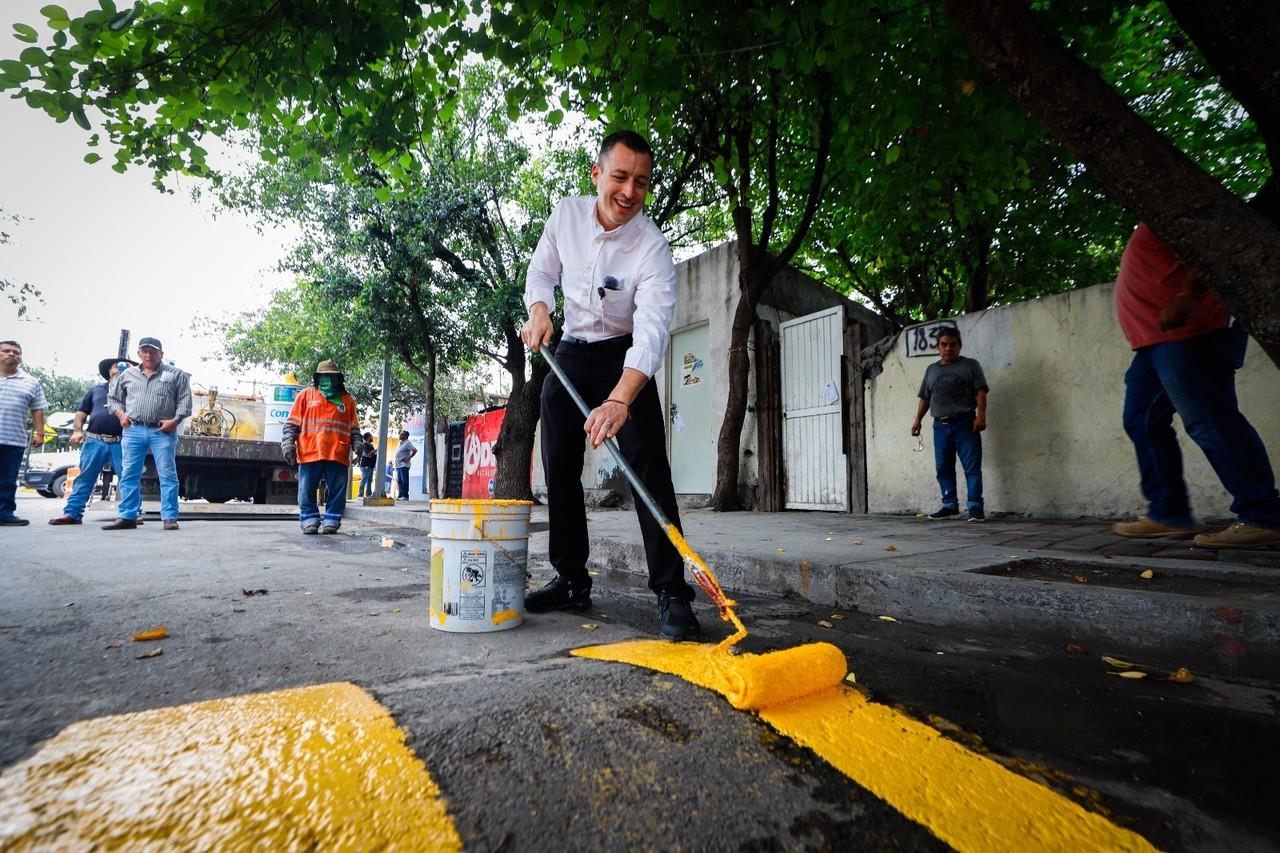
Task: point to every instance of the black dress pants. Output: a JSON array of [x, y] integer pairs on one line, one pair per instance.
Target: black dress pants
[[594, 369]]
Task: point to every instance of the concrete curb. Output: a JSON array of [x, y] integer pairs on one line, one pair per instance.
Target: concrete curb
[[1233, 625]]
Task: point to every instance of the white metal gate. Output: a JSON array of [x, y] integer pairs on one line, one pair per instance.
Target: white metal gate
[[812, 423]]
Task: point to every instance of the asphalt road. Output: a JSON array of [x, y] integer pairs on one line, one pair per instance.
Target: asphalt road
[[534, 749]]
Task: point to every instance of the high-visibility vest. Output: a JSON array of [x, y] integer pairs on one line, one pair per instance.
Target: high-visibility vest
[[324, 430]]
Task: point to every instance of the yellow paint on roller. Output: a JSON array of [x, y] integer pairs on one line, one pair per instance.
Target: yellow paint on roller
[[966, 799], [505, 616], [320, 767]]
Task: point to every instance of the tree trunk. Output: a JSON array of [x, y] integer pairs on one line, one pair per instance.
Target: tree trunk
[[752, 278], [433, 469], [514, 448], [1231, 247]]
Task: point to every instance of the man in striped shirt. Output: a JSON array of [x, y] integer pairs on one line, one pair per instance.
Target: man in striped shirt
[[20, 393], [149, 400]]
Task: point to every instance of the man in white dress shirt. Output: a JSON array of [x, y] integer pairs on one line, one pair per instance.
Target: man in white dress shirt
[[615, 270]]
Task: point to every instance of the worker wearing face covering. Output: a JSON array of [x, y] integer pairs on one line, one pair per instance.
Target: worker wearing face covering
[[318, 436]]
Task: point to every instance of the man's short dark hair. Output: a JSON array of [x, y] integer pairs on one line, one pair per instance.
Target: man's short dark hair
[[15, 343], [404, 433], [629, 138], [368, 436], [949, 332]]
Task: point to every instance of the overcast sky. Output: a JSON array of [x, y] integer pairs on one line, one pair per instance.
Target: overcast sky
[[110, 252]]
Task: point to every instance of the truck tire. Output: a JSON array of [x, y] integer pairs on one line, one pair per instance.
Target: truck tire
[[57, 487]]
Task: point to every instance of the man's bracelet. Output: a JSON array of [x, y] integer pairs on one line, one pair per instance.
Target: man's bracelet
[[619, 402]]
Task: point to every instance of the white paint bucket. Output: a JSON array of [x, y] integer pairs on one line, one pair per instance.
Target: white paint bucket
[[479, 552]]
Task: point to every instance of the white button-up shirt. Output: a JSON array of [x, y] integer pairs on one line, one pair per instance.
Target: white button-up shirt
[[614, 282]]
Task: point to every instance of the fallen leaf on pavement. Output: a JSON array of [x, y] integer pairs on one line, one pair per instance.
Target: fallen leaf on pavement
[[859, 542], [891, 547], [1182, 675], [825, 624], [1129, 673], [306, 593], [373, 613], [388, 542], [781, 550], [828, 538], [153, 634], [1147, 575], [395, 610], [154, 653], [249, 593], [1116, 662], [837, 616], [886, 619], [1076, 649], [594, 574], [590, 626], [113, 645], [69, 604], [1081, 579]]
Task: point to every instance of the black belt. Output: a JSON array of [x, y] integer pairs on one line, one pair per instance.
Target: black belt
[[608, 343], [955, 419], [147, 423]]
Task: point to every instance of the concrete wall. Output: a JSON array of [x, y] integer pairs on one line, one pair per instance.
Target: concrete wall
[[1054, 445]]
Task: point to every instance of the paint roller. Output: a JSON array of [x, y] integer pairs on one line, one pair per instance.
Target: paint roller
[[749, 681]]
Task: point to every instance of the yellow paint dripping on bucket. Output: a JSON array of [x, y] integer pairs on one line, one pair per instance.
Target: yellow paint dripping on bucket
[[499, 618], [320, 767], [965, 799]]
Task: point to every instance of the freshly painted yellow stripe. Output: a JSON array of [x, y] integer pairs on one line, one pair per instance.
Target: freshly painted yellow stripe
[[965, 799], [320, 767]]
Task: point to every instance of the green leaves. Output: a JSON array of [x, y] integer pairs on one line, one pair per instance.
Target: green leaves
[[25, 33], [56, 16]]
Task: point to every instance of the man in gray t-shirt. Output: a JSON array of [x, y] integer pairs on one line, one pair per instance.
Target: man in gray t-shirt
[[954, 391], [406, 452]]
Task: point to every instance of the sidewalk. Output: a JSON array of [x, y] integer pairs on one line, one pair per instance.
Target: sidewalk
[[1072, 577]]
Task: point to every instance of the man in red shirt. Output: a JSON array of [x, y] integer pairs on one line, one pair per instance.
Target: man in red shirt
[[1186, 351], [318, 437]]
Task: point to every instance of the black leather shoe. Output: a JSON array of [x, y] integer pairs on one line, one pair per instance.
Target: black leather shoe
[[676, 616], [560, 594], [13, 521], [121, 524]]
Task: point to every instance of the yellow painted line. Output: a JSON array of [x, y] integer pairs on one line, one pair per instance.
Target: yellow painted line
[[321, 767], [968, 800]]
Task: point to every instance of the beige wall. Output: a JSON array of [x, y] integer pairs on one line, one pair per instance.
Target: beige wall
[[1054, 445]]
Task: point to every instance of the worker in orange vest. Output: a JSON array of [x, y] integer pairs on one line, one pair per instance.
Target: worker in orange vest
[[319, 434]]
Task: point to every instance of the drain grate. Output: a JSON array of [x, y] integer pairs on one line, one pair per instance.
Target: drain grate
[[1179, 581]]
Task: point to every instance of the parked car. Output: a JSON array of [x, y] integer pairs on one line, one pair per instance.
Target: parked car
[[47, 472]]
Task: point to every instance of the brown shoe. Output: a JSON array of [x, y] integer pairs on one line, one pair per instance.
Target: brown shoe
[[65, 519], [170, 524], [121, 524], [1145, 528], [1240, 535]]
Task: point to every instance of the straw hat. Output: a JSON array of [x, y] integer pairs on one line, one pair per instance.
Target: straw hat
[[327, 366]]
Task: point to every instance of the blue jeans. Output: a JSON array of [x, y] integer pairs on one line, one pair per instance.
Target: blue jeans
[[334, 475], [402, 483], [366, 480], [134, 444], [10, 462], [93, 457], [1196, 379], [949, 441]]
